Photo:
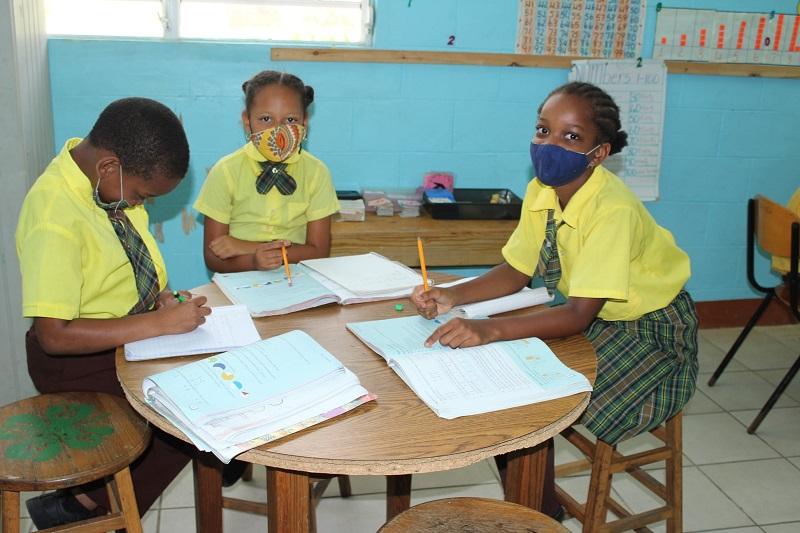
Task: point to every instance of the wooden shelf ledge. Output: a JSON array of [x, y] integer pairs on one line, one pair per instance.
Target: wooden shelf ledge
[[356, 55]]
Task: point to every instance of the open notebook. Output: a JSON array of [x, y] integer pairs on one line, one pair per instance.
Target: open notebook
[[318, 282], [468, 381], [234, 401], [227, 327]]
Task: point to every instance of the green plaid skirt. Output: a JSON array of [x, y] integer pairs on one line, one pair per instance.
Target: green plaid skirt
[[646, 370]]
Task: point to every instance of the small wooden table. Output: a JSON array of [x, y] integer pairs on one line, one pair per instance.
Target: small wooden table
[[447, 242], [395, 436]]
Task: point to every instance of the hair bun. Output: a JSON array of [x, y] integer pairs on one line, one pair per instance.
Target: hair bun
[[619, 142], [309, 95]]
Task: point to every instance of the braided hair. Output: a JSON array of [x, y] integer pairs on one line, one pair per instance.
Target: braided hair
[[605, 112], [273, 77]]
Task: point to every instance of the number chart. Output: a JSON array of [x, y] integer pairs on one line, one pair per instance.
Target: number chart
[[727, 36], [587, 28]]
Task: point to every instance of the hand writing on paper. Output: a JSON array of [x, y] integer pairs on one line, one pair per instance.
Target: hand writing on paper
[[433, 302], [168, 299], [268, 255], [226, 247], [463, 333], [183, 317]]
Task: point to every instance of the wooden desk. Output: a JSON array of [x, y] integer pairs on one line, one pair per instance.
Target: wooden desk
[[447, 242], [395, 436]]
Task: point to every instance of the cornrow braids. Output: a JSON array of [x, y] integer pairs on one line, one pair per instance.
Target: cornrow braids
[[605, 112], [273, 77]]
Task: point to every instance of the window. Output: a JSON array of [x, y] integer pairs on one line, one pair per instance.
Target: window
[[338, 21]]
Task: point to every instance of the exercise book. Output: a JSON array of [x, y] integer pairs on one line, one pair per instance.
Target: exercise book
[[237, 400], [468, 381]]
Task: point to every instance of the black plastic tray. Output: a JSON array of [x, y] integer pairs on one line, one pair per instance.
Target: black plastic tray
[[476, 204]]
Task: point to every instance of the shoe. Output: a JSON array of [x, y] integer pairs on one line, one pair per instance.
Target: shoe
[[56, 508], [560, 514], [232, 472]]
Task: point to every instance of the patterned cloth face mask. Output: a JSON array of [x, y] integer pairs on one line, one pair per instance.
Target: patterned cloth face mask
[[279, 143]]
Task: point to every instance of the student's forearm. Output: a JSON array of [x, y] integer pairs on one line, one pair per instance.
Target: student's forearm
[[499, 281], [88, 335], [548, 323], [239, 263], [299, 252]]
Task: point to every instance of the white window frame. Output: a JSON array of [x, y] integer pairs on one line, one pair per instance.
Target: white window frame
[[171, 9]]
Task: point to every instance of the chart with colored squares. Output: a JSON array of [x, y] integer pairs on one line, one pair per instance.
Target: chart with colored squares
[[588, 28], [727, 36]]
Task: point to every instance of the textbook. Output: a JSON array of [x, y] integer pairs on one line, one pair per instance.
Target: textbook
[[234, 401], [468, 381], [366, 274], [227, 327], [267, 292]]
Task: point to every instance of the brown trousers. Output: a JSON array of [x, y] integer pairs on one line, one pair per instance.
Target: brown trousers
[[166, 456]]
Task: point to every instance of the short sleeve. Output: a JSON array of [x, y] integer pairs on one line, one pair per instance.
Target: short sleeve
[[216, 196], [610, 240], [522, 249], [50, 261], [322, 201]]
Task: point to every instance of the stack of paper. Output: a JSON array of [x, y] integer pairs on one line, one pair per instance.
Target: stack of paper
[[526, 297], [469, 381], [344, 280], [352, 210], [241, 399], [225, 328]]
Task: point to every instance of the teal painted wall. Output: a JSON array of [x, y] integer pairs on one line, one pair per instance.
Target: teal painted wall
[[384, 125]]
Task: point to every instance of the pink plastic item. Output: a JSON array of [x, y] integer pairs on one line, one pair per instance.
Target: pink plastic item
[[438, 180]]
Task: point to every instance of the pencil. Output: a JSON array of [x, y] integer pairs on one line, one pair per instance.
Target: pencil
[[422, 264], [286, 265]]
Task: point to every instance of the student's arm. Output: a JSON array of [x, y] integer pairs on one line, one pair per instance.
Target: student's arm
[[499, 281], [223, 253], [561, 321], [318, 244], [88, 335]]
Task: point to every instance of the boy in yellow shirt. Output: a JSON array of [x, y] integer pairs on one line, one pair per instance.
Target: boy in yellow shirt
[[93, 277]]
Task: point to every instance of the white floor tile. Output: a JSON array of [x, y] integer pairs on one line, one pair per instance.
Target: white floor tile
[[775, 377], [150, 521], [26, 525], [704, 505], [759, 351], [720, 438], [709, 354], [178, 520], [477, 474], [180, 493], [735, 391], [24, 497], [360, 513], [795, 461], [766, 490], [780, 429], [701, 404]]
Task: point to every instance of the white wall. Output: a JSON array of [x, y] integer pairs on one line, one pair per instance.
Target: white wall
[[26, 146]]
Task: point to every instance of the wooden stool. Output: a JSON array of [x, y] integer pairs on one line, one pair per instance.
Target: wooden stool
[[55, 441], [317, 485], [605, 461], [466, 515]]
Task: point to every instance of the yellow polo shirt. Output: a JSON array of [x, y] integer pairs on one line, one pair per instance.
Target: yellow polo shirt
[[782, 264], [610, 247], [229, 196], [73, 265]]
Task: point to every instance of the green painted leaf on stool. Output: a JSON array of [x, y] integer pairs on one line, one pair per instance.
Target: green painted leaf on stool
[[78, 426]]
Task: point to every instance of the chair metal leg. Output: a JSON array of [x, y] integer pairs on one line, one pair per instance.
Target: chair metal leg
[[775, 395], [742, 336]]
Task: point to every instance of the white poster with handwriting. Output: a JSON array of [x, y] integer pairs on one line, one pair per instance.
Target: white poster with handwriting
[[639, 89]]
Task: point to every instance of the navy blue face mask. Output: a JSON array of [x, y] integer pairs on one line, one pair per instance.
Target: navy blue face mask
[[556, 166]]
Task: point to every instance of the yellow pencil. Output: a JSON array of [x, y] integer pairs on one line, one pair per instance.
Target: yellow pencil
[[286, 265], [422, 264]]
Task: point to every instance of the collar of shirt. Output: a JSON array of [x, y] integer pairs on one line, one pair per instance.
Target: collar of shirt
[[77, 181], [548, 199]]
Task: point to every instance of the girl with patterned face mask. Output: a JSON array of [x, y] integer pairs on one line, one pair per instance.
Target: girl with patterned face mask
[[271, 193]]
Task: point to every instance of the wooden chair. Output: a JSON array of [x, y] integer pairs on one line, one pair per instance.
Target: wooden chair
[[316, 488], [774, 229], [604, 461], [463, 515], [55, 441]]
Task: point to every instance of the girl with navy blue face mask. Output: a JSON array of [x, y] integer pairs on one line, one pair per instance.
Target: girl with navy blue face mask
[[590, 238]]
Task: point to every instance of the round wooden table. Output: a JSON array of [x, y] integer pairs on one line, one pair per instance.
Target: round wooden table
[[395, 436]]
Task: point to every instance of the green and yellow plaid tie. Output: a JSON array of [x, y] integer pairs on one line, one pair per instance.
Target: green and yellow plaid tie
[[144, 270], [549, 266], [275, 175]]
